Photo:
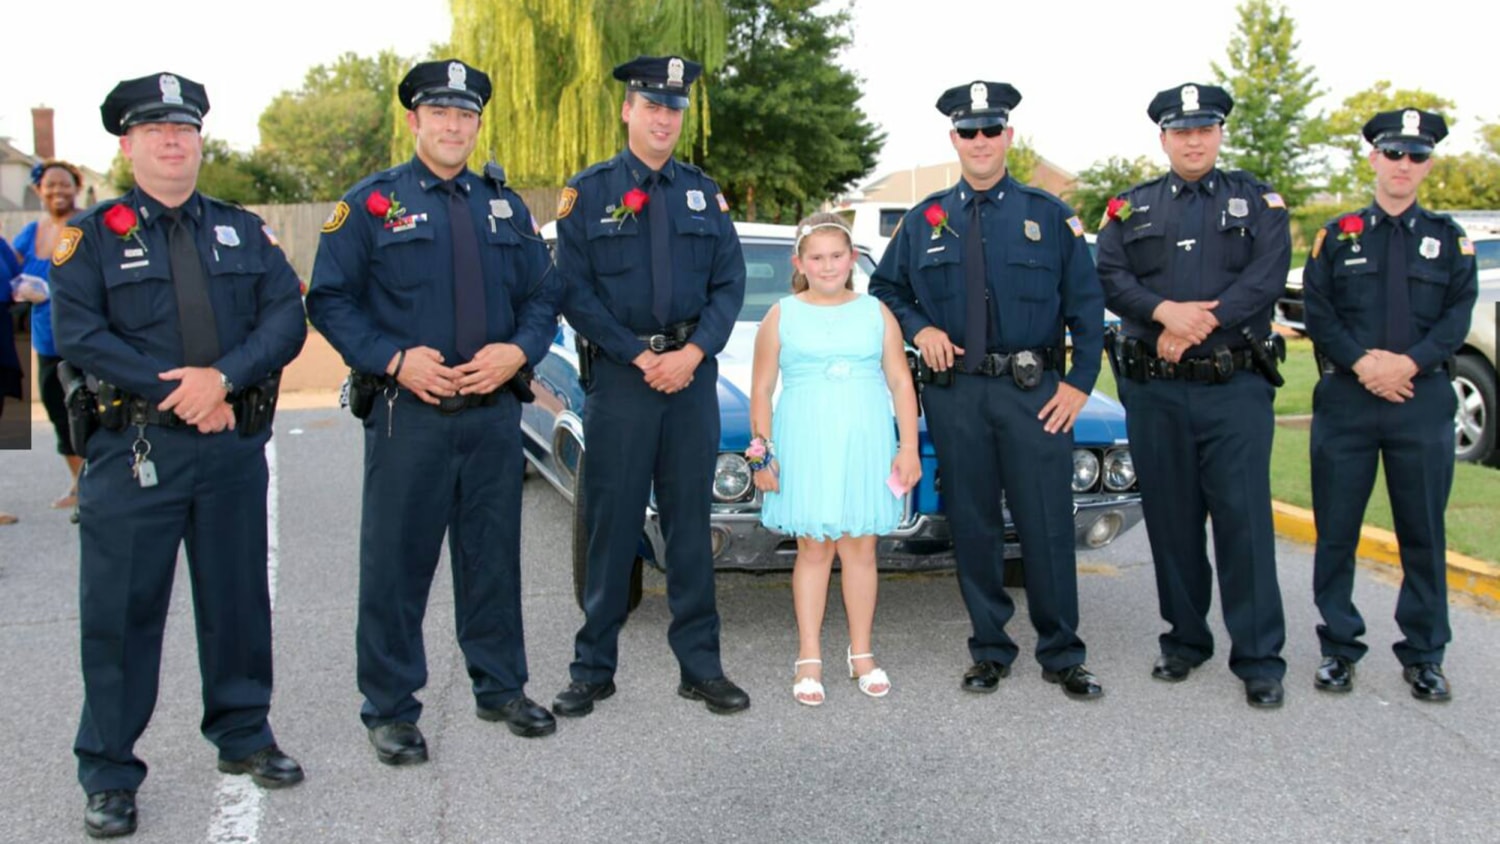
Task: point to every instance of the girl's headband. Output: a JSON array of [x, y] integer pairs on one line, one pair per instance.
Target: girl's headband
[[804, 231]]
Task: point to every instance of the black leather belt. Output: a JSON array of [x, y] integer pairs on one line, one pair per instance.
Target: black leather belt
[[453, 405], [671, 338], [142, 411], [1217, 367], [998, 364]]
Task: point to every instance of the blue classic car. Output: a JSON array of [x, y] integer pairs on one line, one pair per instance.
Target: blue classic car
[[1106, 500]]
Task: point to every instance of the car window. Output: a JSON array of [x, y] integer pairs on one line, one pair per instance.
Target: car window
[[768, 276], [1487, 253]]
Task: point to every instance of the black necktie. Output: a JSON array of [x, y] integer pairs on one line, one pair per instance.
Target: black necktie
[[469, 324], [1185, 264], [661, 251], [976, 319], [1397, 301], [195, 311]]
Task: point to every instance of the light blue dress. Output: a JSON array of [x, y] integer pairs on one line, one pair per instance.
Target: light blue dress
[[832, 427]]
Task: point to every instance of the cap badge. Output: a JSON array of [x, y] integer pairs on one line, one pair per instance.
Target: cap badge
[[979, 96], [1190, 98], [1430, 248], [458, 76], [500, 209], [1033, 231], [1411, 122], [674, 72], [171, 89], [226, 235], [696, 201], [1238, 207]]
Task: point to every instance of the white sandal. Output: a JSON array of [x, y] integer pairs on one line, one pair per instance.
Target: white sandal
[[808, 685], [876, 677]]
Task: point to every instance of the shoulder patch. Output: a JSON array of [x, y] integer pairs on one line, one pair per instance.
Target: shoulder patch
[[1465, 246], [1076, 225], [270, 235], [335, 219], [723, 203], [1274, 200], [565, 202], [68, 240], [1318, 243]]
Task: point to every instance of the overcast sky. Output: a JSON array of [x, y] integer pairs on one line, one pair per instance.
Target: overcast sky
[[1086, 69]]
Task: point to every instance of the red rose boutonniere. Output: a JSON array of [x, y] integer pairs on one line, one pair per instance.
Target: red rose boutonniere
[[938, 219], [121, 220], [1351, 226], [386, 208], [630, 204], [1118, 209]]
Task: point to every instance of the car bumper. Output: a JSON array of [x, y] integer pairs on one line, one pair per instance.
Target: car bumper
[[921, 542]]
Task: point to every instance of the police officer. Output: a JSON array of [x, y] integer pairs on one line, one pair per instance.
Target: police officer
[[1193, 262], [1390, 289], [432, 284], [984, 278], [185, 309], [655, 279]]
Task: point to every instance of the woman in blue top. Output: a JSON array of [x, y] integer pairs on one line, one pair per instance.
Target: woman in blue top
[[10, 364], [57, 183]]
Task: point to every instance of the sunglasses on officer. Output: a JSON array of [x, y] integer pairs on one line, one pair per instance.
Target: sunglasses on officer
[[989, 132], [1398, 154]]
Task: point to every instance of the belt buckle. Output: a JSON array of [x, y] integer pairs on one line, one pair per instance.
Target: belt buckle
[[1026, 369], [657, 343], [451, 405]]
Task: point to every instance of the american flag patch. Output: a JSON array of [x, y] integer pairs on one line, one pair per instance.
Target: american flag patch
[[1465, 246], [1076, 225], [1274, 200]]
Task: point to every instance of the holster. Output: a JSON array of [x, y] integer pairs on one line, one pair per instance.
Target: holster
[[1114, 350], [586, 352], [83, 412], [360, 390], [255, 406], [520, 385]]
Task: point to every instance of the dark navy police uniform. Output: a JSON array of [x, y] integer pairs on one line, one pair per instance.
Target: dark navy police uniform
[[116, 317], [1039, 281], [641, 440], [1201, 436], [1349, 284], [385, 282]]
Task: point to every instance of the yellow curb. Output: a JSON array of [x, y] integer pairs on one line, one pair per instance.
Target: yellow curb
[[1478, 578]]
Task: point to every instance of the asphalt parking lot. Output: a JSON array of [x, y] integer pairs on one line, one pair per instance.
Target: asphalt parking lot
[[1151, 761]]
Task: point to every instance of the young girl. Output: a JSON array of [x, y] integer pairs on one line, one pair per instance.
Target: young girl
[[828, 477]]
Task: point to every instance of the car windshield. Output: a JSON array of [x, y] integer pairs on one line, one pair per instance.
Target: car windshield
[[1487, 253], [768, 275]]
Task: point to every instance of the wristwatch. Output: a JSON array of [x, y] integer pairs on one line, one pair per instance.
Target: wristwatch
[[227, 384]]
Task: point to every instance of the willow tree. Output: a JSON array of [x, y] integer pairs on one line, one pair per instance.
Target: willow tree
[[556, 107]]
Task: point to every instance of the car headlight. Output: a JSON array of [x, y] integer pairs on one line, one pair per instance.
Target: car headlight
[[731, 478], [1085, 470], [1119, 470]]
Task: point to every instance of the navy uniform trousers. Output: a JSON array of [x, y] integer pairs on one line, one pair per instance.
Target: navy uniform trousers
[[988, 439], [426, 473], [635, 435], [1204, 450], [211, 494], [1351, 431]]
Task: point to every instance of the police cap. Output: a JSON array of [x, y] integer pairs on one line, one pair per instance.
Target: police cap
[[158, 98], [446, 82], [1406, 129], [663, 80], [1190, 105], [979, 104]]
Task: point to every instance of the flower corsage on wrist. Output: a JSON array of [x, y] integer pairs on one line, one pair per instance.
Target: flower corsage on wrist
[[759, 453]]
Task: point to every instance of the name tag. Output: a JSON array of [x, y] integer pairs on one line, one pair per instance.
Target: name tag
[[133, 264], [1354, 262], [936, 249]]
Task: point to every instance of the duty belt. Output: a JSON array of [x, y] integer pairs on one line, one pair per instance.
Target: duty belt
[[143, 411], [453, 405], [671, 338], [998, 364], [1216, 367]]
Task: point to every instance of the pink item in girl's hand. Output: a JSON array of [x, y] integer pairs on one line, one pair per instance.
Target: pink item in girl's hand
[[894, 482]]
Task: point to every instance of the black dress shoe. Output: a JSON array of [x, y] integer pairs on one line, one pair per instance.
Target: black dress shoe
[[1264, 692], [720, 695], [524, 717], [1335, 674], [1172, 669], [110, 814], [1076, 681], [399, 743], [268, 767], [984, 676], [1427, 682], [577, 700]]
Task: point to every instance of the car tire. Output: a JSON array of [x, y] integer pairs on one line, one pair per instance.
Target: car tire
[[1474, 417], [581, 549]]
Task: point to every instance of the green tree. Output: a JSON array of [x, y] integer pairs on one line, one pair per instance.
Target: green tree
[[790, 133], [1350, 174], [1271, 90], [1460, 182], [331, 132], [1107, 179], [556, 106], [1022, 160], [1489, 134], [246, 178]]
